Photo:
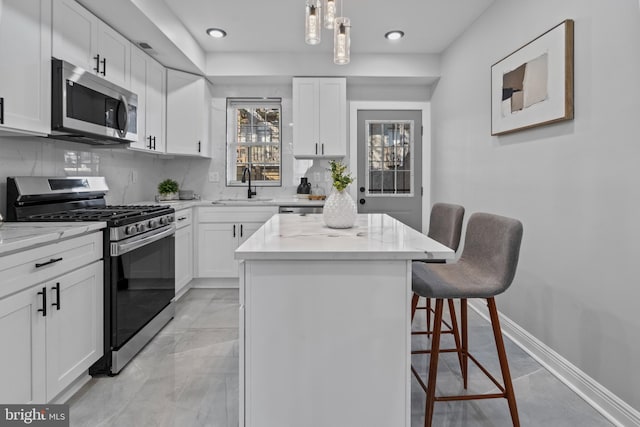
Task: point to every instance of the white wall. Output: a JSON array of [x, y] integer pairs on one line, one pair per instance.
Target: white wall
[[29, 156], [574, 185]]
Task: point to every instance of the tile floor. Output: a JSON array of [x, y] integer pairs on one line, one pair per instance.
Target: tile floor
[[187, 376]]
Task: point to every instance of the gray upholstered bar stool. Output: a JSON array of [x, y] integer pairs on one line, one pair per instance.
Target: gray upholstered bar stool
[[445, 226], [486, 268]]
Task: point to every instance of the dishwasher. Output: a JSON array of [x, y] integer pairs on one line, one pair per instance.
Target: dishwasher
[[300, 210]]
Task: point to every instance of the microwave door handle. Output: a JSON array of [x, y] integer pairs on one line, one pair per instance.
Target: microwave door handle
[[118, 249], [122, 130]]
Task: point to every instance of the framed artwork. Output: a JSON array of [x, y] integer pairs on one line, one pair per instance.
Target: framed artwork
[[533, 86]]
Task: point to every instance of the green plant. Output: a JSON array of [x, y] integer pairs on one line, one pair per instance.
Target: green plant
[[340, 179], [168, 186]]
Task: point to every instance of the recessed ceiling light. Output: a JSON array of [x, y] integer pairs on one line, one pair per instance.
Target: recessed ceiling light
[[217, 33], [394, 35]]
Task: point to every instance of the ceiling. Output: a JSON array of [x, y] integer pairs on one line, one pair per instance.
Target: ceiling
[[176, 29], [278, 25]]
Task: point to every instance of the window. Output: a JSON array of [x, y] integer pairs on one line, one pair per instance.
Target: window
[[253, 141], [390, 166]]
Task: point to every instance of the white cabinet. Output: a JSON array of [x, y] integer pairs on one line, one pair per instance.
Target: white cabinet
[[319, 117], [74, 332], [148, 79], [82, 39], [184, 250], [25, 67], [22, 329], [188, 106], [220, 231], [54, 322]]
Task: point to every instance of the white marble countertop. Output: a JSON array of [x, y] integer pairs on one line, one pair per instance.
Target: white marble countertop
[[306, 237], [15, 236], [277, 201]]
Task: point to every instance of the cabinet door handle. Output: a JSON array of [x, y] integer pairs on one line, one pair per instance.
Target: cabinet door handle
[[154, 142], [97, 67], [104, 67], [241, 231], [234, 230], [44, 302], [182, 218], [316, 148], [57, 289], [1, 111], [199, 146], [149, 138], [51, 261], [323, 148]]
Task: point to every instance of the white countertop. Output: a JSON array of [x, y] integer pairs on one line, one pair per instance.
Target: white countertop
[[16, 236], [306, 237], [277, 201]]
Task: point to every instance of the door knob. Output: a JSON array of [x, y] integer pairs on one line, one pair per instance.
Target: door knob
[[362, 201], [362, 189]]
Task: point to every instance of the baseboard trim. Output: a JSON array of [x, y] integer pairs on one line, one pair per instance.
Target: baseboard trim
[[599, 397], [71, 389], [215, 283]]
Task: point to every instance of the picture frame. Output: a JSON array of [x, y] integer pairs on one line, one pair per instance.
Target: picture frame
[[533, 86]]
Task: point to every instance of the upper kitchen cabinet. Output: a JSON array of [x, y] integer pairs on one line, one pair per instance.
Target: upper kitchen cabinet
[[148, 78], [319, 117], [25, 67], [82, 39], [188, 104]]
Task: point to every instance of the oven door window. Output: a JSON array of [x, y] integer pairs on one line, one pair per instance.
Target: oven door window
[[143, 283]]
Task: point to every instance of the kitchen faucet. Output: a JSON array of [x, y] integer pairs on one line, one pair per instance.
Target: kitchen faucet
[[244, 173]]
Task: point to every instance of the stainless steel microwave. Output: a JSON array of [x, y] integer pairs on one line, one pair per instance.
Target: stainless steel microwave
[[89, 109]]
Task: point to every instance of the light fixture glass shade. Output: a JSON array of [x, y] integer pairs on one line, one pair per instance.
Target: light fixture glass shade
[[329, 13], [313, 22], [342, 41]]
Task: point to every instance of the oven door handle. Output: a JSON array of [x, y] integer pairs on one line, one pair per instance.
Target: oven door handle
[[118, 249]]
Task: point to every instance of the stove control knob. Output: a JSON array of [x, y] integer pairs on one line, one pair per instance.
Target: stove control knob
[[141, 228], [152, 223], [131, 229], [171, 218], [163, 220]]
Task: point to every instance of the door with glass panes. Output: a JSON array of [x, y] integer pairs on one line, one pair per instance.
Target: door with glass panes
[[389, 164]]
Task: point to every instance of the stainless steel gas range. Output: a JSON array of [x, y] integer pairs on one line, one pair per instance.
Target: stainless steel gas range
[[139, 256]]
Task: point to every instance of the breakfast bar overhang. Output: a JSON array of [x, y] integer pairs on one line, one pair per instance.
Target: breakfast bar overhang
[[325, 322]]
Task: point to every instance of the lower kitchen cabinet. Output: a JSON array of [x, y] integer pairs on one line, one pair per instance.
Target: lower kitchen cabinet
[[54, 333], [220, 231], [184, 250], [51, 318]]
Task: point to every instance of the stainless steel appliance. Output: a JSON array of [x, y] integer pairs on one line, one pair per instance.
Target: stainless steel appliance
[[89, 109], [300, 210], [139, 256]]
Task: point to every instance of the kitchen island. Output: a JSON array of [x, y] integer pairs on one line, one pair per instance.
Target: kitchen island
[[325, 322]]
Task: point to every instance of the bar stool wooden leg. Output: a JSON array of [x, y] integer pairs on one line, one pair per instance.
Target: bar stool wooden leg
[[456, 333], [428, 314], [433, 363], [414, 305], [465, 342], [504, 365]]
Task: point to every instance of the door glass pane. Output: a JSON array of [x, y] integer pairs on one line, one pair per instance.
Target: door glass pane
[[390, 166]]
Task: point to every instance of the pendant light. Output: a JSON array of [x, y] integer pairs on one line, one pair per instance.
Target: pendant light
[[329, 13], [342, 41], [313, 22]]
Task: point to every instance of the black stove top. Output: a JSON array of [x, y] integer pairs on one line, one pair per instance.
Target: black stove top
[[114, 215]]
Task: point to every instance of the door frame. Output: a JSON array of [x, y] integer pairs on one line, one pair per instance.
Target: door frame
[[425, 107]]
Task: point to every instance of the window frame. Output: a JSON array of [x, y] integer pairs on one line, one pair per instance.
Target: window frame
[[232, 143]]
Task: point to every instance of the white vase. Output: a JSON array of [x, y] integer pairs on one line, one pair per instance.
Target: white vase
[[339, 210]]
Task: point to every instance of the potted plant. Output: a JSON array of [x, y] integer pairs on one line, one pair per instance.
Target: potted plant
[[168, 189], [339, 210]]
